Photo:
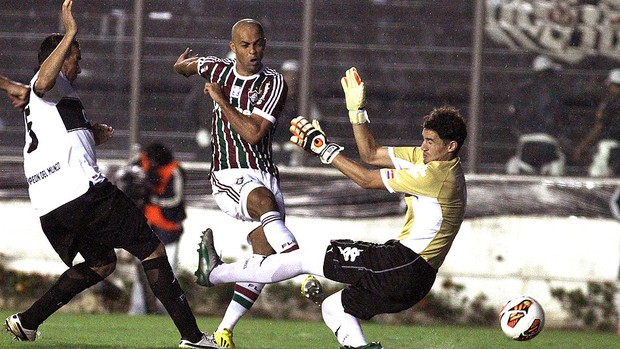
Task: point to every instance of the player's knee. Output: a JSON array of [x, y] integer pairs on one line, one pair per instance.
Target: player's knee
[[261, 201]]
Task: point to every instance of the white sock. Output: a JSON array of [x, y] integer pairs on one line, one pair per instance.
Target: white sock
[[273, 268], [346, 327], [277, 234], [243, 299], [261, 269]]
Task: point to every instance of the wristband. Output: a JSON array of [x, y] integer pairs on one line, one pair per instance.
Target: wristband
[[358, 116], [329, 153]]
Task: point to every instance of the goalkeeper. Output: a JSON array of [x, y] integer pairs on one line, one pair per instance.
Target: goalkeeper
[[381, 278]]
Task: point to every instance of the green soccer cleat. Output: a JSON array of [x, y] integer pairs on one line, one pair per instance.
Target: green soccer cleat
[[371, 345], [208, 259], [311, 288], [224, 338]]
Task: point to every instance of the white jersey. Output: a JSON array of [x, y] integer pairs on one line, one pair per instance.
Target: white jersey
[[59, 155]]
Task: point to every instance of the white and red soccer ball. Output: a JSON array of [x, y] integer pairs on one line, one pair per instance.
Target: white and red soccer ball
[[522, 318]]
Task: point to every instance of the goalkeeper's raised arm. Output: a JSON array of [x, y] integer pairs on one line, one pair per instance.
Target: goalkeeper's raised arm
[[370, 151]]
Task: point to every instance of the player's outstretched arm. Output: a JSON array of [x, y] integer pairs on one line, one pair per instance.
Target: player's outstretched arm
[[186, 64], [53, 64], [312, 139], [18, 93]]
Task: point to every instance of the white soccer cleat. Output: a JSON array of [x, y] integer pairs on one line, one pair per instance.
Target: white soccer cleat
[[204, 342], [14, 325]]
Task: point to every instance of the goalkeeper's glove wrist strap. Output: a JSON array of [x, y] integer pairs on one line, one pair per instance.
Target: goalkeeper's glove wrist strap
[[358, 116], [330, 152]]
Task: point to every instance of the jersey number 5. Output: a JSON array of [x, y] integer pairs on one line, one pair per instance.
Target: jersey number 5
[[34, 141]]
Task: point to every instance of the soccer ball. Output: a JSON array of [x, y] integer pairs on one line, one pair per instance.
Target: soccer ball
[[522, 318]]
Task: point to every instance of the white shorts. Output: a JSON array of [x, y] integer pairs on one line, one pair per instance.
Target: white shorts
[[231, 188]]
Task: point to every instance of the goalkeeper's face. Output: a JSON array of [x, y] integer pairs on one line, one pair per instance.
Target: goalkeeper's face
[[248, 45], [436, 149]]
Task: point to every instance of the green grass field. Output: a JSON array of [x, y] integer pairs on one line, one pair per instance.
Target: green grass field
[[89, 331]]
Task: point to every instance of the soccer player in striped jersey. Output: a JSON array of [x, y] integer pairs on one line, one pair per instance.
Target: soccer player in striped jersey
[[80, 210], [248, 98], [381, 278]]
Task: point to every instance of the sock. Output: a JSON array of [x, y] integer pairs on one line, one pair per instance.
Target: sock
[[243, 299], [166, 288], [260, 269], [273, 268], [73, 281], [346, 327], [277, 234]]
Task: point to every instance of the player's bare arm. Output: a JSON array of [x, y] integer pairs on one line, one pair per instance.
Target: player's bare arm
[[102, 133], [251, 128], [186, 64], [18, 93], [362, 176], [371, 152], [312, 139], [53, 64]]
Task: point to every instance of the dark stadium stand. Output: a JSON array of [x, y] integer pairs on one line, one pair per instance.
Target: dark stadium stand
[[413, 55]]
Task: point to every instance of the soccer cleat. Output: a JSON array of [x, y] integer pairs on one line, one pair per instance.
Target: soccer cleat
[[207, 259], [224, 338], [14, 325], [204, 342], [371, 345], [311, 288]]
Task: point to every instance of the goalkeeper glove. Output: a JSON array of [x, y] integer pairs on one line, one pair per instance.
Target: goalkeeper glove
[[355, 96], [311, 137]]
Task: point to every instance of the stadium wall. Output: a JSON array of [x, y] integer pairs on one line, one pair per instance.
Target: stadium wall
[[500, 256]]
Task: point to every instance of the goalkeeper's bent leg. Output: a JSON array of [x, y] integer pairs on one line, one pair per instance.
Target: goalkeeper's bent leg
[[346, 327]]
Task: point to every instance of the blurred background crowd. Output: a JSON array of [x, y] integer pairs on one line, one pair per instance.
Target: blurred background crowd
[[414, 55]]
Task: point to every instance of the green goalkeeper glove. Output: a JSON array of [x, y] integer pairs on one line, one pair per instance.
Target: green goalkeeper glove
[[355, 96], [311, 137]]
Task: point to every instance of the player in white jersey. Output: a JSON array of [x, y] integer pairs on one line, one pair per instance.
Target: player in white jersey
[[381, 278], [80, 210], [248, 98]]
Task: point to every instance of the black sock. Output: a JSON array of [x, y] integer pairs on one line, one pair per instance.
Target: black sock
[[73, 281], [166, 288]]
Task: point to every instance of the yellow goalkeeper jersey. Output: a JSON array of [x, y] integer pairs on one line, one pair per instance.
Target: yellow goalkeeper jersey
[[435, 194]]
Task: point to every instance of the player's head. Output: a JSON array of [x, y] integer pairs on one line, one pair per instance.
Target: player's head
[[71, 66], [248, 43], [444, 132], [158, 154]]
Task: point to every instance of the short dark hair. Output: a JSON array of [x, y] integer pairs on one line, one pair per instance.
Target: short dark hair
[[449, 125], [159, 153], [49, 44]]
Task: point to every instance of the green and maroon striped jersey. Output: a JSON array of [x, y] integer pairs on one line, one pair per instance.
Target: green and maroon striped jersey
[[263, 94]]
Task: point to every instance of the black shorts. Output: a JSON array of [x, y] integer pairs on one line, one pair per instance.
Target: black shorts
[[95, 223], [382, 278]]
